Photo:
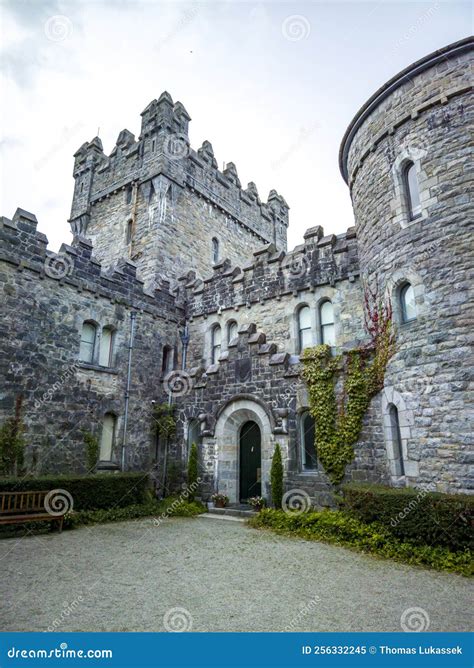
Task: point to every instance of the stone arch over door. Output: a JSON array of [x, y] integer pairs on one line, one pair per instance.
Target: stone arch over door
[[227, 439]]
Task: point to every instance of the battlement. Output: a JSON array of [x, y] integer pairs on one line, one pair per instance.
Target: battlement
[[163, 150], [25, 248], [320, 260]]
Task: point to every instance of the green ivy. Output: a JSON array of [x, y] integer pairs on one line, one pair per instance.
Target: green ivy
[[338, 423], [164, 420], [92, 450]]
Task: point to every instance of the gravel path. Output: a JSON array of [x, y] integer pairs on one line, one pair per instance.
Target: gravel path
[[131, 576]]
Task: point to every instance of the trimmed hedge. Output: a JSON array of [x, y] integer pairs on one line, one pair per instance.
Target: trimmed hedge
[[338, 528], [93, 492], [169, 507], [427, 518]]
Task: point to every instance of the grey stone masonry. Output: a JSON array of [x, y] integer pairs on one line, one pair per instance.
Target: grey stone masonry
[[424, 117], [161, 203], [46, 298]]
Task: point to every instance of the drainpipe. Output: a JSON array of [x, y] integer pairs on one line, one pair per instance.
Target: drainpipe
[[133, 316], [184, 335]]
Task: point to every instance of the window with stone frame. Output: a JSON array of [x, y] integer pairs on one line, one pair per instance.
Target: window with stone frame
[[129, 235], [309, 459], [399, 465], [107, 346], [216, 341], [167, 360], [232, 330], [326, 323], [412, 190], [305, 335], [107, 438], [407, 302], [215, 250], [88, 342]]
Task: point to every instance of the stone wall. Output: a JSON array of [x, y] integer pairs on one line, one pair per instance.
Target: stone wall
[[161, 203], [425, 119], [45, 300], [270, 289]]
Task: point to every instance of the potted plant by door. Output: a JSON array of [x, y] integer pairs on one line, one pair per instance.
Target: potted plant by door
[[219, 500], [257, 502]]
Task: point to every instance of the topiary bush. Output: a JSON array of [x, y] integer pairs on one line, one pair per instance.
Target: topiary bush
[[276, 477], [424, 517], [192, 471], [101, 491]]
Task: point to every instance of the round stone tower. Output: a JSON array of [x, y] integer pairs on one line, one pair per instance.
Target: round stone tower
[[405, 157]]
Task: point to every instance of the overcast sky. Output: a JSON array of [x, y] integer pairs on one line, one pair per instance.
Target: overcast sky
[[272, 85]]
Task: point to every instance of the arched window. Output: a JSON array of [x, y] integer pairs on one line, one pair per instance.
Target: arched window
[[106, 346], [216, 336], [167, 360], [309, 460], [88, 339], [232, 330], [412, 190], [326, 319], [399, 465], [215, 251], [107, 439], [407, 303], [129, 231], [194, 433], [304, 328]]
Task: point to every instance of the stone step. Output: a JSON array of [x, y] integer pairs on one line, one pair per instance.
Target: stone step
[[227, 518], [232, 512]]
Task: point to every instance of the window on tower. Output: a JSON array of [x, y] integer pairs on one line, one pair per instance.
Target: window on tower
[[412, 191], [215, 251]]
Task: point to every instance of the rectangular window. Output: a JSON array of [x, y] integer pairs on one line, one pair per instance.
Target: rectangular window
[[86, 352]]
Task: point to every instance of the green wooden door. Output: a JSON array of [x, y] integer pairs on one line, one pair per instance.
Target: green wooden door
[[250, 461]]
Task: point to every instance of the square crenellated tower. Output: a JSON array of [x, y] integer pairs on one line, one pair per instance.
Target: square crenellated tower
[[167, 207]]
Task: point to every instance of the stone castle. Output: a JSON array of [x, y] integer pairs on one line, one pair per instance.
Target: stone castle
[[178, 287]]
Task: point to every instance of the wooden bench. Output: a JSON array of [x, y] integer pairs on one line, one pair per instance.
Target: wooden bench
[[22, 507]]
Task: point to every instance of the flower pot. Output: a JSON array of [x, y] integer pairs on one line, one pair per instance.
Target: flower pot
[[219, 504]]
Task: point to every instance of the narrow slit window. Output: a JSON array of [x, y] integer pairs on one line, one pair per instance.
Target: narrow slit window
[[215, 251], [412, 191], [216, 344], [309, 459], [407, 303]]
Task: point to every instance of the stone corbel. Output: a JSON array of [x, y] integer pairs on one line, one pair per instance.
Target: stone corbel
[[281, 420], [207, 427]]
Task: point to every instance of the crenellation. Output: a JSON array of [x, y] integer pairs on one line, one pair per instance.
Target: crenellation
[[166, 242]]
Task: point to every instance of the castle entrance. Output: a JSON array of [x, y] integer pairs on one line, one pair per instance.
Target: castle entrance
[[244, 447], [250, 461]]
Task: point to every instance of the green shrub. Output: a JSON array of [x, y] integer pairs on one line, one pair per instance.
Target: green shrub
[[176, 506], [338, 528], [92, 450], [169, 507], [422, 517], [192, 471], [93, 492], [276, 477]]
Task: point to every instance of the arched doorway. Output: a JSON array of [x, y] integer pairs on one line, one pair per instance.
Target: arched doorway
[[250, 461], [223, 451]]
